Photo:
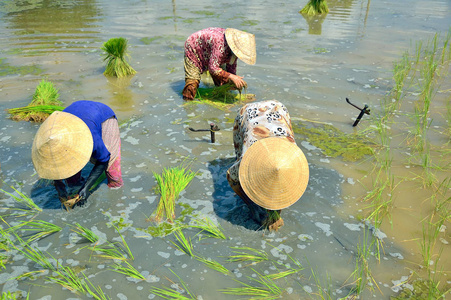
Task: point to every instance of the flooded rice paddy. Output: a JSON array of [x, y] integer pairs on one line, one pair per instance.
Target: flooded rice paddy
[[309, 64]]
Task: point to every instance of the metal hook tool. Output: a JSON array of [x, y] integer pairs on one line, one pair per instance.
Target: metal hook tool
[[363, 110], [213, 129]]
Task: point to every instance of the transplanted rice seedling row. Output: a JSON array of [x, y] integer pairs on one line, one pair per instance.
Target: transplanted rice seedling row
[[418, 79]]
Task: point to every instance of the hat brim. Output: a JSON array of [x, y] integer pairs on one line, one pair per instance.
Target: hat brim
[[274, 173], [62, 146], [242, 45]]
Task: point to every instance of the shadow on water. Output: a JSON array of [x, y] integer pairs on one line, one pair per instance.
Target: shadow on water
[[63, 24], [226, 204], [44, 194]]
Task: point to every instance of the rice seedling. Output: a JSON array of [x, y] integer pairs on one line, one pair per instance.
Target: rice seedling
[[99, 180], [34, 254], [282, 274], [31, 275], [109, 251], [429, 240], [127, 248], [127, 270], [21, 198], [222, 97], [213, 264], [12, 296], [68, 279], [85, 232], [96, 292], [184, 244], [362, 274], [248, 254], [421, 289], [315, 7], [209, 228], [267, 288], [169, 185], [323, 288], [115, 56], [272, 220], [164, 229], [175, 291], [290, 270], [44, 228], [44, 102]]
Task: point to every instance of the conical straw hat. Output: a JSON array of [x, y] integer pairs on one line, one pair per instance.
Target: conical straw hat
[[62, 146], [242, 45], [274, 173]]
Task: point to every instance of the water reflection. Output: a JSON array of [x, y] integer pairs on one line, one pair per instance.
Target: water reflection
[[65, 25], [122, 98], [342, 11], [315, 23]]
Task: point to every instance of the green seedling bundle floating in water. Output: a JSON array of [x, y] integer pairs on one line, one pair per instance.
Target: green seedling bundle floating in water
[[45, 101], [315, 7], [115, 56], [222, 97], [169, 185]]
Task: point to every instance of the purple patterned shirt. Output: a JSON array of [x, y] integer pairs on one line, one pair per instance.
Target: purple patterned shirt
[[208, 50]]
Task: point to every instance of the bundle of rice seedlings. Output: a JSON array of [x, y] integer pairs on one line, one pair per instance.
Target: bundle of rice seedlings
[[222, 97], [116, 52], [169, 185], [315, 7], [45, 101], [272, 221]]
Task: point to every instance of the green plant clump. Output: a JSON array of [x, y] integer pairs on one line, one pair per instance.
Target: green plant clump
[[169, 185], [421, 290], [334, 142], [315, 7], [7, 69], [45, 101], [222, 97], [116, 52]]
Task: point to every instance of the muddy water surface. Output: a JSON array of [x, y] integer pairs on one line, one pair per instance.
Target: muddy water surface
[[311, 65]]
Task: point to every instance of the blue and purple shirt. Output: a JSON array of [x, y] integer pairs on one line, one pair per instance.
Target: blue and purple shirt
[[93, 114]]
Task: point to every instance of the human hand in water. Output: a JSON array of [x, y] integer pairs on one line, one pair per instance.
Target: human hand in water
[[237, 81], [60, 188]]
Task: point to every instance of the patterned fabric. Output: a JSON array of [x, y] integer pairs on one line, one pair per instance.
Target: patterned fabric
[[207, 49], [112, 139], [257, 121]]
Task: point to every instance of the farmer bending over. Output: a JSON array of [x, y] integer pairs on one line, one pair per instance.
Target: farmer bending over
[[216, 50], [66, 141], [271, 171]]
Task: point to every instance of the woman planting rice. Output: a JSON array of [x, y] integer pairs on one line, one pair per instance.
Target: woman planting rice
[[211, 48], [271, 172], [67, 140]]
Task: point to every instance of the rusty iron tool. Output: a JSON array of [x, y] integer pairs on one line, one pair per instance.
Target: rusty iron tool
[[213, 129], [363, 111]]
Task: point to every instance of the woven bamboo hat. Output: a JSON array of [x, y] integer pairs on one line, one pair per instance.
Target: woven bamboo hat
[[274, 173], [242, 45], [62, 146]]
